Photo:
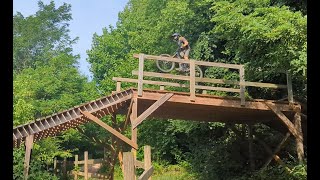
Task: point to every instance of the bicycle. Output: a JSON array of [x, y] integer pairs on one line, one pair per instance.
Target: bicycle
[[167, 66]]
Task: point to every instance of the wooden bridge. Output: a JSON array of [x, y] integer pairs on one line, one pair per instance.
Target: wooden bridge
[[140, 104]]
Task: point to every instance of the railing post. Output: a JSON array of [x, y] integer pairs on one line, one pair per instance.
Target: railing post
[[118, 88], [86, 165], [128, 165], [147, 158], [140, 76], [242, 87], [192, 81], [289, 87]]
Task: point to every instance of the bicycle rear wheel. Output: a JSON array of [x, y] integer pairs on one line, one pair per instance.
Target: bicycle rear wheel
[[165, 66], [198, 72]]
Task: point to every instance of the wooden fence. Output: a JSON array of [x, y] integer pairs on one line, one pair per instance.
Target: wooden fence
[[86, 174], [193, 80]]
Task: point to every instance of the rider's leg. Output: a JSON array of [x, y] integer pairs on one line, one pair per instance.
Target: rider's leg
[[186, 57]]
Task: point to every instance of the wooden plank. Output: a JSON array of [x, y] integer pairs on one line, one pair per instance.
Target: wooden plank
[[151, 57], [140, 76], [242, 87], [134, 131], [192, 81], [29, 144], [110, 129], [146, 174], [285, 120], [289, 86], [210, 80], [139, 164], [147, 158], [86, 165], [128, 165], [151, 109], [217, 88], [203, 63]]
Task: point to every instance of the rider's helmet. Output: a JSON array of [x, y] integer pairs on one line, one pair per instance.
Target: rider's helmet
[[175, 36]]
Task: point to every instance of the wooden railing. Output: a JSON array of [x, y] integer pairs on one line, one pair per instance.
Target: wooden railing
[[192, 85]]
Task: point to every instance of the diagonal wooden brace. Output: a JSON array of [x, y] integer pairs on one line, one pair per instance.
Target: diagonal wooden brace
[[286, 121], [110, 129], [151, 109]]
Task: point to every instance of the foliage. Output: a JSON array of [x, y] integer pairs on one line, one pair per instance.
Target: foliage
[[38, 38]]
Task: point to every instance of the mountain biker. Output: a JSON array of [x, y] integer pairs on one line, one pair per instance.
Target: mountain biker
[[183, 47]]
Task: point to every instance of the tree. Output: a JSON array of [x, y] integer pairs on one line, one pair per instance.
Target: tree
[[38, 38]]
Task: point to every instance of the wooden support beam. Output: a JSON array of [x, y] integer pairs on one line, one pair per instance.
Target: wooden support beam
[[126, 121], [289, 87], [242, 87], [29, 145], [192, 81], [299, 142], [110, 129], [285, 120], [277, 149], [151, 109], [147, 159], [140, 76], [134, 131], [146, 174], [86, 165], [128, 164]]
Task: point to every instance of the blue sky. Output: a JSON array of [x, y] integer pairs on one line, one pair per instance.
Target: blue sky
[[89, 17]]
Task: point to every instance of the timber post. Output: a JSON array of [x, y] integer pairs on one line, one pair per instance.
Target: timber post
[[128, 165], [140, 76], [147, 158], [29, 145]]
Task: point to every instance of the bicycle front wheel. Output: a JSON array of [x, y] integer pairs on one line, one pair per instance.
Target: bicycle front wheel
[[165, 66]]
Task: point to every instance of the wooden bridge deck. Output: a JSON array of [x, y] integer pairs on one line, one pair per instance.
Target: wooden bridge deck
[[209, 108]]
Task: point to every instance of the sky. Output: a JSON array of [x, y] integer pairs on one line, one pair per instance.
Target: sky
[[88, 17]]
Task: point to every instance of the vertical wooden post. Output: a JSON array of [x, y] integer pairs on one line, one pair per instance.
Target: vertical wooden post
[[250, 139], [140, 75], [299, 142], [134, 131], [118, 88], [147, 158], [289, 87], [76, 164], [242, 87], [55, 165], [29, 144], [128, 165], [192, 80], [86, 165], [161, 87], [64, 168]]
